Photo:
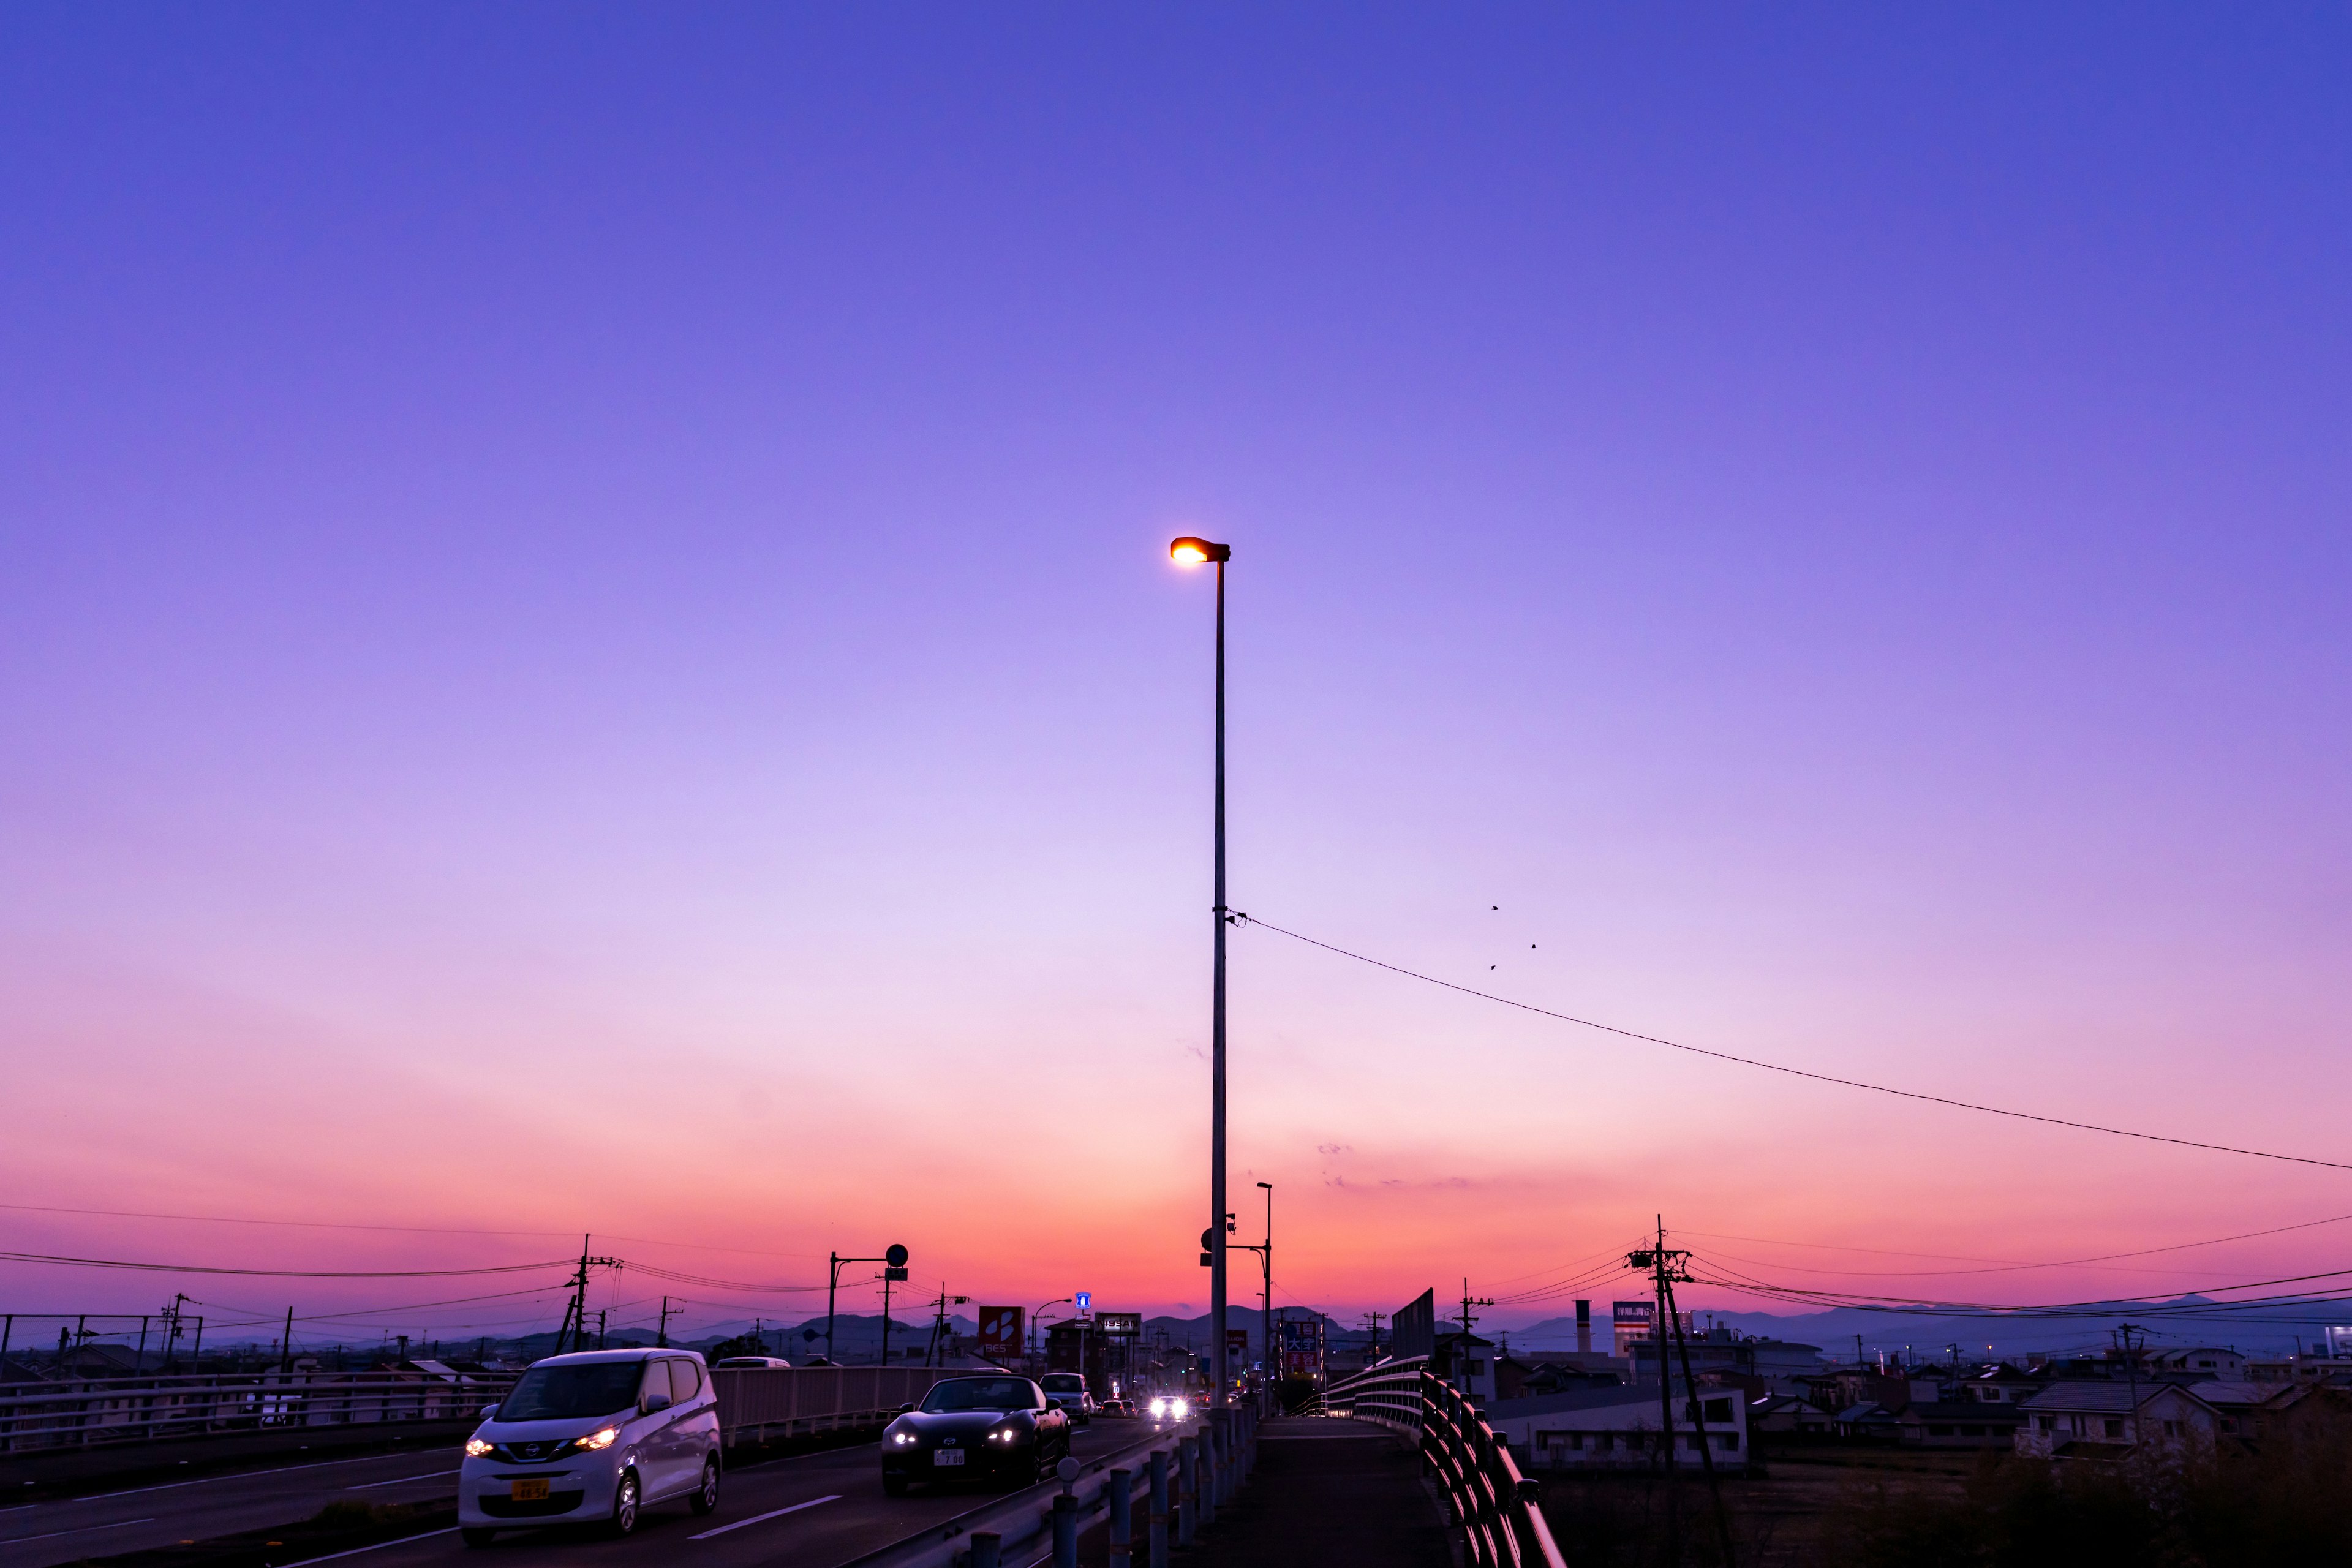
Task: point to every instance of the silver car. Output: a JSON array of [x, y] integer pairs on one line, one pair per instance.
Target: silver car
[[1068, 1390], [599, 1435]]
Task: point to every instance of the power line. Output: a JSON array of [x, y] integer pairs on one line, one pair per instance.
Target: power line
[[1248, 919], [2004, 1264], [277, 1273]]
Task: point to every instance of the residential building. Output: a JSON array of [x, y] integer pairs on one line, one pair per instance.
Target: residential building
[[1619, 1428], [2090, 1417], [1785, 1413], [1467, 1361], [2199, 1363], [1957, 1423]]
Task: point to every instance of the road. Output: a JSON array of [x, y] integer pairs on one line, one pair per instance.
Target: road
[[810, 1509]]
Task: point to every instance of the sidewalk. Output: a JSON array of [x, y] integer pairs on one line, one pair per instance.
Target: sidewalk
[[1327, 1491]]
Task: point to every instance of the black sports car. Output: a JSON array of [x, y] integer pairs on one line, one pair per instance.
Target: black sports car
[[997, 1427]]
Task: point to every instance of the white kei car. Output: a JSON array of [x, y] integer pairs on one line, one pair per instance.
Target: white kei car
[[598, 1436]]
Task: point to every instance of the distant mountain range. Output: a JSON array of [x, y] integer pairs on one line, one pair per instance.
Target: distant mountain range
[[2179, 1320]]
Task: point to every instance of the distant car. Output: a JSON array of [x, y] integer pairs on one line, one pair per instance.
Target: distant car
[[1118, 1408], [1069, 1390], [597, 1436], [998, 1428], [755, 1361], [1170, 1407]]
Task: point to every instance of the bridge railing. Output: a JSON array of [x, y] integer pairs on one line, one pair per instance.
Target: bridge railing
[[85, 1412], [1496, 1507], [759, 1402]]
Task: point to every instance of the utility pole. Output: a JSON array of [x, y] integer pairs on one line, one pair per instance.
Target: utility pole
[[661, 1336], [1667, 1265], [1372, 1321], [575, 1332], [1463, 1359], [286, 1345], [2131, 1372]]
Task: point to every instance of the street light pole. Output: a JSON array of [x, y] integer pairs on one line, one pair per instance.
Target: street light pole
[[1266, 1322], [1192, 552]]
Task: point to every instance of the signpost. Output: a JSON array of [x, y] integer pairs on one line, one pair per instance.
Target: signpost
[[1119, 1325], [1084, 1301]]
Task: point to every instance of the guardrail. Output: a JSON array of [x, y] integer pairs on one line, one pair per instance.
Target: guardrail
[[756, 1404], [1495, 1506], [87, 1411], [1190, 1468]]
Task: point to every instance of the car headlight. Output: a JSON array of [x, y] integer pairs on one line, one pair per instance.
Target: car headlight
[[1158, 1408], [602, 1437], [475, 1448], [902, 1438], [1003, 1435], [1179, 1408]]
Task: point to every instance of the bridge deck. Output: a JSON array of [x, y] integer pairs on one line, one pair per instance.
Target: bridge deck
[[1327, 1492]]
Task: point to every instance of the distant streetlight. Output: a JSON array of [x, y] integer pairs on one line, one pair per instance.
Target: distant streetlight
[[1032, 1320], [1191, 552]]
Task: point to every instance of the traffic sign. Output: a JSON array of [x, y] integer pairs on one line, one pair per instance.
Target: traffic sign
[[1084, 1300]]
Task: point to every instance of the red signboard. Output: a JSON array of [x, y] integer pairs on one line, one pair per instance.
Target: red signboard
[[1000, 1333], [1237, 1343]]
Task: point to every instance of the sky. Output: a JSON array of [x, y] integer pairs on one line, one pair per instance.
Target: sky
[[586, 645]]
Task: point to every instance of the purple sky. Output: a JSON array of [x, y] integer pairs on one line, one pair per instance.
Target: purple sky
[[582, 580]]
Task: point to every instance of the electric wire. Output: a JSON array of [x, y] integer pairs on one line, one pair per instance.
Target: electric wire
[[1247, 919]]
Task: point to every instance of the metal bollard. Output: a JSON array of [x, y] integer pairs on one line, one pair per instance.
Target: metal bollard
[[1122, 1519], [1207, 1489], [987, 1549], [1066, 1531], [1188, 1496], [1159, 1525]]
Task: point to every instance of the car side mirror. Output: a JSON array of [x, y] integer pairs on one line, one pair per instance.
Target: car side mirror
[[489, 1412], [654, 1402]]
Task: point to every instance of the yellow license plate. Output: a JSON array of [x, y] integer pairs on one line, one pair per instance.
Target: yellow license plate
[[530, 1490]]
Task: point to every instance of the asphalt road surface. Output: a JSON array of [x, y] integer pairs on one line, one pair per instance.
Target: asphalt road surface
[[70, 1529], [811, 1508]]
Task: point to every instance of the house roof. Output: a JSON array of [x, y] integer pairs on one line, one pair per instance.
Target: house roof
[[2220, 1392], [1962, 1410], [1577, 1399], [2097, 1396]]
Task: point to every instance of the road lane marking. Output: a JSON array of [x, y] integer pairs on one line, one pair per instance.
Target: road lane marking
[[761, 1518], [354, 1552], [85, 1530], [400, 1480], [231, 1476]]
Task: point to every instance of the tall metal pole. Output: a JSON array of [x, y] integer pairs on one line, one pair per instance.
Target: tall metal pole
[[1266, 1320], [1217, 1047], [832, 1284]]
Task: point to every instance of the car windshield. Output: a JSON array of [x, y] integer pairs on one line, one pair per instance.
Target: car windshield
[[980, 1394], [582, 1388], [1065, 1383]]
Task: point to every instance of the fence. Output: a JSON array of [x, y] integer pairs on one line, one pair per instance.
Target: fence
[[756, 1404], [85, 1412], [1492, 1502]]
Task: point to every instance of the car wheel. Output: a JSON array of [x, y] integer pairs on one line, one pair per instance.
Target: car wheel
[[472, 1537], [893, 1485], [625, 1508], [705, 1496]]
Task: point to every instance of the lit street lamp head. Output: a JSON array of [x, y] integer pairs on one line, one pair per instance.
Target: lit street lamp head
[[1190, 551]]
